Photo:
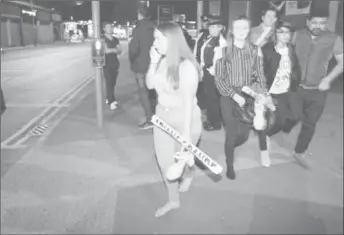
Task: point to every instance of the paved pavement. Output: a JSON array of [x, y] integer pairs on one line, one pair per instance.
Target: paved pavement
[[40, 84], [81, 179]]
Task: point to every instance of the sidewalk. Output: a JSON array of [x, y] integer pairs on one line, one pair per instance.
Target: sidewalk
[[86, 180]]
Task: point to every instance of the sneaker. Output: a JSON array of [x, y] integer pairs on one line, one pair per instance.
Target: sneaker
[[113, 106], [265, 158], [146, 125], [107, 102], [301, 159]]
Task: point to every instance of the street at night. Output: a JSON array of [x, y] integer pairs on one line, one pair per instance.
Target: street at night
[[83, 180], [63, 173]]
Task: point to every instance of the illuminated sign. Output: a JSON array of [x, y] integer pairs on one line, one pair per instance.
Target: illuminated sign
[[30, 13]]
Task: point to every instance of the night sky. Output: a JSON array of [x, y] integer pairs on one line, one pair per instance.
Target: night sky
[[119, 10]]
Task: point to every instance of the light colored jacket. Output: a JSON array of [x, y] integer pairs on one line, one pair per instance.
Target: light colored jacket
[[218, 54]]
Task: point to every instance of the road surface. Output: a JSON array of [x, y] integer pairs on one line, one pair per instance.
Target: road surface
[[38, 84]]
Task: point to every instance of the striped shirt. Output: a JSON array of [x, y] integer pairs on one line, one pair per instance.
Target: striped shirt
[[243, 70]]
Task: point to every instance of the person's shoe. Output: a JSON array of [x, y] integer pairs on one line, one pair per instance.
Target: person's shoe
[[265, 154], [146, 125], [231, 173], [113, 106], [107, 101], [209, 127], [265, 158], [301, 159]]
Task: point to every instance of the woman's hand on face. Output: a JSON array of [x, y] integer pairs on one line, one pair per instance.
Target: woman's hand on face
[[154, 55]]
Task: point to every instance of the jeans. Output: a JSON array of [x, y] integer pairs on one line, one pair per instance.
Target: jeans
[[147, 97], [110, 75], [286, 109], [236, 132], [309, 105]]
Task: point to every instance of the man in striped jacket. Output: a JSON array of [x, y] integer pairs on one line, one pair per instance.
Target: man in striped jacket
[[240, 66]]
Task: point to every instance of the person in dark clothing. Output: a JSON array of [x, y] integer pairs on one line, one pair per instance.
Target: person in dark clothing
[[240, 66], [202, 37], [211, 51], [282, 73], [110, 70], [139, 48], [2, 102], [314, 46]]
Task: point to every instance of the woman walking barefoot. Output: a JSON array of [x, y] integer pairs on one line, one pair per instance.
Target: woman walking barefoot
[[174, 73]]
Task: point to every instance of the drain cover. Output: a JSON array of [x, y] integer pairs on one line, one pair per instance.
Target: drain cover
[[39, 130]]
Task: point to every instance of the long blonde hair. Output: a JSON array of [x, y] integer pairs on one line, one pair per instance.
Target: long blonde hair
[[178, 50]]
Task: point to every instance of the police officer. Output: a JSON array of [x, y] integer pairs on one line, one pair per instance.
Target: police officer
[[210, 52], [203, 35]]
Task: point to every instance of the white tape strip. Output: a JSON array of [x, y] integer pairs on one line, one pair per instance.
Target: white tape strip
[[203, 157]]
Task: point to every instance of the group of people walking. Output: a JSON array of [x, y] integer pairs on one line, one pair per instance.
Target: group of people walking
[[290, 67]]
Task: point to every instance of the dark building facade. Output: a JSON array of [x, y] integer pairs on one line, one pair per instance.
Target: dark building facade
[[23, 24]]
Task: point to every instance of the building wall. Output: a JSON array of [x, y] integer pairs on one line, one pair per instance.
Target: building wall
[[24, 30], [339, 23], [10, 32], [45, 33], [28, 33], [4, 37], [236, 9], [15, 33]]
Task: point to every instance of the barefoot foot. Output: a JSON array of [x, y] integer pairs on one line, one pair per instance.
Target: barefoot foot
[[167, 208]]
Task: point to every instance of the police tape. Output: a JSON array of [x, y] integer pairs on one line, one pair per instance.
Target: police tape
[[203, 157]]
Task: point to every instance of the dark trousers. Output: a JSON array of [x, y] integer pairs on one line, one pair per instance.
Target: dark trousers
[[212, 100], [236, 131], [147, 97], [2, 102], [286, 109], [201, 96], [309, 105], [110, 75]]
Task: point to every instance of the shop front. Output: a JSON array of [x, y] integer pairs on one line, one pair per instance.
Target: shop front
[[45, 31], [10, 25], [57, 26], [24, 24], [28, 21]]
